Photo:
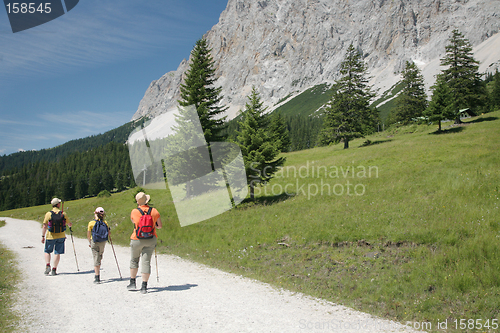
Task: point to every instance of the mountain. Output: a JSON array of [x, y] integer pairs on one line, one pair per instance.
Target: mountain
[[284, 47]]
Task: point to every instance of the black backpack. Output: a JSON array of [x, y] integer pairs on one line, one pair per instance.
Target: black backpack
[[100, 231], [57, 222]]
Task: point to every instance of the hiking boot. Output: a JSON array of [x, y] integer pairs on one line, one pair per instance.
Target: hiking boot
[[53, 272], [132, 285], [97, 279], [47, 270], [144, 288]]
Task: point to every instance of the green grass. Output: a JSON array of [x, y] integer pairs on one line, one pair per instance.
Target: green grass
[[8, 276], [417, 239]]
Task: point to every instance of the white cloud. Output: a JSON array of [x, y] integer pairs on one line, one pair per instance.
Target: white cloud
[[10, 122], [85, 120], [48, 130]]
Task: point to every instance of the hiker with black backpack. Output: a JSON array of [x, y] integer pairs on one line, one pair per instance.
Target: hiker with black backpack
[[97, 233], [53, 235], [143, 240]]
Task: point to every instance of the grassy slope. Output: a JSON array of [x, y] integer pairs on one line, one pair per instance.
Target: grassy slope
[[387, 107], [307, 102], [420, 244], [312, 99], [8, 276]]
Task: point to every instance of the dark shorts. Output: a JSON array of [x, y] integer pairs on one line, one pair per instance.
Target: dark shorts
[[58, 244]]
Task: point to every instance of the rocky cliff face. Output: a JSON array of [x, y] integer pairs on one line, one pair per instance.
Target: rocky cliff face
[[283, 47]]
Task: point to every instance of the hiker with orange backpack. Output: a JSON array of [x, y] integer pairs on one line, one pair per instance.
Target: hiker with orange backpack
[[53, 235], [97, 233], [143, 240]]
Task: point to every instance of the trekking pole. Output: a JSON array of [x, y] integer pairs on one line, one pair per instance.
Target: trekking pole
[[74, 251], [115, 257], [156, 259]]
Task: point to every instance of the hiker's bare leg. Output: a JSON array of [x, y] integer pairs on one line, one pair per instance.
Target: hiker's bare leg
[[145, 277], [97, 269], [133, 272], [57, 257], [47, 258]]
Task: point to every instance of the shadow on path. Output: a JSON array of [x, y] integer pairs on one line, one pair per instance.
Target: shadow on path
[[171, 288], [111, 280], [76, 273]]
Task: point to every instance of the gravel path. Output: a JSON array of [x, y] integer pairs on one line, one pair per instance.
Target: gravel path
[[189, 297]]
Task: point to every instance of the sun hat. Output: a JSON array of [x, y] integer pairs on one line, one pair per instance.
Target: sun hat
[[142, 198]]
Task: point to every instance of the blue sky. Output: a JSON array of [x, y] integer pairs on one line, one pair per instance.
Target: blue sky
[[85, 72]]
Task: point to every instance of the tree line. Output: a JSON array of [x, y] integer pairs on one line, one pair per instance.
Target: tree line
[[18, 160], [75, 176]]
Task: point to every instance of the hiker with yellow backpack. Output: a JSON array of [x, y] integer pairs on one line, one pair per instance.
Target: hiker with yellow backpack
[[97, 233]]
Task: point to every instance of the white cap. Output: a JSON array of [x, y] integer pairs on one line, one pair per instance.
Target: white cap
[[99, 210]]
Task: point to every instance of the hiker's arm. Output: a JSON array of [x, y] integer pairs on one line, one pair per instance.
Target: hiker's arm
[[88, 236], [67, 221], [109, 228], [158, 223], [44, 230]]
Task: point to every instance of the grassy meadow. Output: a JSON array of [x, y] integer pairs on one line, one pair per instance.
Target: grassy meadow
[[9, 274], [404, 226]]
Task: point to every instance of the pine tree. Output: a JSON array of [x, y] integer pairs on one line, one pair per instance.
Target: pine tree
[[107, 181], [441, 106], [412, 101], [81, 187], [462, 74], [198, 89], [95, 185], [258, 147], [279, 131], [188, 156], [348, 115], [67, 186], [495, 94], [119, 181]]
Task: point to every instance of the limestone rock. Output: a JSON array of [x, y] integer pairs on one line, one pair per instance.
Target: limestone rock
[[283, 47]]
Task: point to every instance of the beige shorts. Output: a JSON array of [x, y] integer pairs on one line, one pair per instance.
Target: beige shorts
[[97, 251], [142, 250]]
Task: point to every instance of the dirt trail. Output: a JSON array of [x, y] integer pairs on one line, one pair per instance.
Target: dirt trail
[[189, 297]]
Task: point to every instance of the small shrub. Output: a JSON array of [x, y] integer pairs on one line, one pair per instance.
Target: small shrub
[[104, 194]]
